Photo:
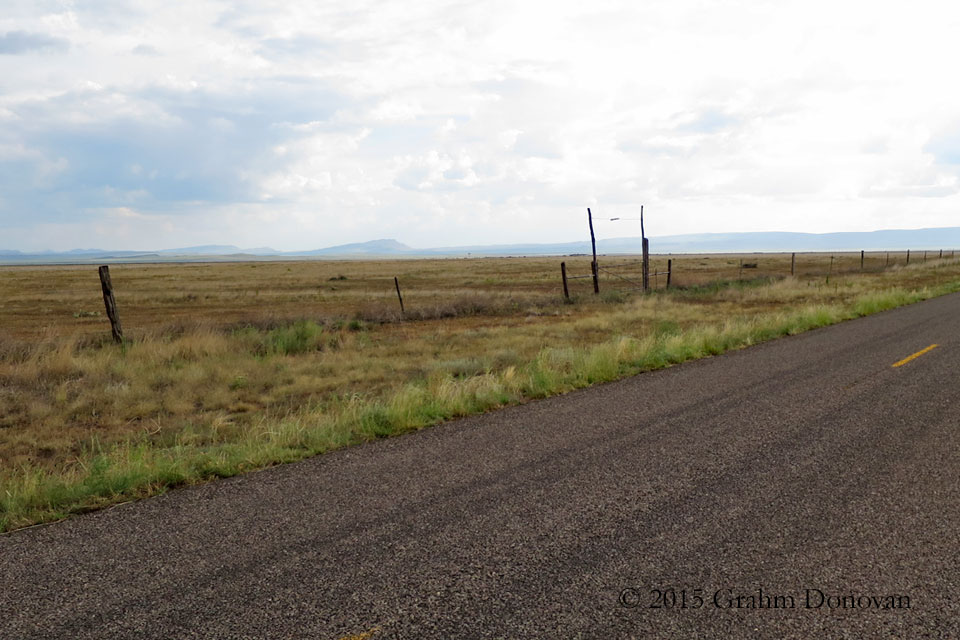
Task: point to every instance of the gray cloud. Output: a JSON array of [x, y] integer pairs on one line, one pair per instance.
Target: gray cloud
[[912, 191], [173, 151], [412, 177], [654, 146], [145, 50], [537, 145], [18, 42], [296, 46], [709, 121], [875, 146]]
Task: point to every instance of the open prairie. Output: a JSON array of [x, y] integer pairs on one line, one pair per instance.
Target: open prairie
[[46, 301], [233, 366]]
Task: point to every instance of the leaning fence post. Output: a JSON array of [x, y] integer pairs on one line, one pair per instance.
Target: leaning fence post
[[645, 248], [563, 273], [669, 271], [908, 256], [593, 244], [396, 282], [111, 304]]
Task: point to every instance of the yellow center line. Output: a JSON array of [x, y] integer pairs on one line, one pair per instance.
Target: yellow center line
[[916, 355], [362, 636]]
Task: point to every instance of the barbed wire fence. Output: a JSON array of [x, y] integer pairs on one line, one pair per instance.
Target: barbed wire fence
[[628, 276]]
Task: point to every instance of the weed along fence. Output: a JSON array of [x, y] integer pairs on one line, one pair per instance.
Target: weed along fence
[[620, 273]]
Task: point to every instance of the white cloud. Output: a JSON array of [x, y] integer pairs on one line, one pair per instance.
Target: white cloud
[[442, 122]]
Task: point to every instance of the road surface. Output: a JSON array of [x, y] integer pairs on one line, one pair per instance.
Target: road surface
[[802, 488]]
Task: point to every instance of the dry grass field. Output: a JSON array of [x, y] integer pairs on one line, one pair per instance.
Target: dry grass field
[[233, 366], [46, 301]]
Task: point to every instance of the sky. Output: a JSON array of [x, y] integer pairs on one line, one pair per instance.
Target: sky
[[305, 124]]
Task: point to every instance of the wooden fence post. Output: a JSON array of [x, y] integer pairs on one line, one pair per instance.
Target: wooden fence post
[[924, 256], [111, 304], [645, 247], [563, 274], [941, 255], [908, 256], [593, 244], [646, 264], [861, 260], [669, 271], [793, 263], [396, 282]]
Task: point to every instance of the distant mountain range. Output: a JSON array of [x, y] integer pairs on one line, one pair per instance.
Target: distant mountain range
[[373, 247], [891, 239]]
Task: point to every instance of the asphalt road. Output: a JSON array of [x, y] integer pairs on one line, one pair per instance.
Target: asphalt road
[[807, 471]]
